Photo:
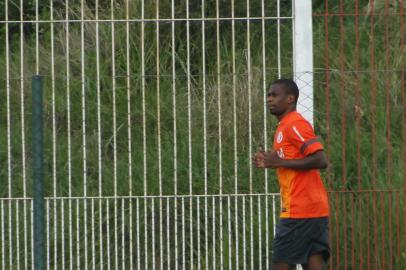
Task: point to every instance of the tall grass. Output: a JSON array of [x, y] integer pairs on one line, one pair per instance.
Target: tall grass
[[349, 104]]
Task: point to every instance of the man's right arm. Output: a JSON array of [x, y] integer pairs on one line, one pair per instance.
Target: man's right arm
[[270, 159]]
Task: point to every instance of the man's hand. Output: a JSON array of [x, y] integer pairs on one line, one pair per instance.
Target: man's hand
[[271, 159], [258, 158], [268, 159]]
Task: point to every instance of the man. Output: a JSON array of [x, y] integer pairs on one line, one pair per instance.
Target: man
[[297, 155]]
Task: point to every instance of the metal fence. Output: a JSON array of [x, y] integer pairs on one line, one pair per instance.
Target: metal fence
[[361, 84], [153, 110]]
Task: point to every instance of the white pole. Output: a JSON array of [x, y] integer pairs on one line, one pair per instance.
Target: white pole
[[303, 56]]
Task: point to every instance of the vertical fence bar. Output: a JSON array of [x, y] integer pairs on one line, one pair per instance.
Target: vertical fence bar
[[168, 236], [99, 138], [244, 236], [9, 152], [382, 209], [375, 224], [183, 233], [107, 231], [388, 95], [158, 94], [368, 257], [23, 149], [3, 240], [357, 96], [259, 234], [123, 236], [398, 236], [36, 37], [17, 231], [68, 123], [230, 247], [273, 214], [93, 236], [361, 250], [48, 242], [343, 129], [206, 254], [390, 230], [403, 97], [175, 140], [352, 231], [213, 211], [198, 233], [249, 79], [190, 165], [144, 132], [235, 132], [113, 77], [342, 101], [373, 128], [278, 34], [373, 93], [63, 234], [32, 234], [327, 92], [38, 172], [129, 134], [78, 234], [220, 143], [54, 142], [153, 232], [265, 94], [84, 140], [137, 222]]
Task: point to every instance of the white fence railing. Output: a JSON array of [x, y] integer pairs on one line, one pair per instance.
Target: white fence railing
[[144, 99], [216, 232]]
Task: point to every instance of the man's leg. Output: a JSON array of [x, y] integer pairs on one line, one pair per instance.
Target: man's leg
[[282, 266], [316, 262]]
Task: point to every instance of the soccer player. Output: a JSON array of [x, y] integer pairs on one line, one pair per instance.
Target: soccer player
[[297, 155]]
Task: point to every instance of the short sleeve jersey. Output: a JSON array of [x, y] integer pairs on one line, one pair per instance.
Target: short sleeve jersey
[[302, 191]]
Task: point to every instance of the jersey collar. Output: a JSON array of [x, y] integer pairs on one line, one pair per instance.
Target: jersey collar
[[288, 117]]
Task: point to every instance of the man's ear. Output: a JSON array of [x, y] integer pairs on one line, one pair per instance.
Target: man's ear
[[291, 99]]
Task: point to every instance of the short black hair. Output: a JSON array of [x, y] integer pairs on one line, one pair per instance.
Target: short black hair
[[290, 85]]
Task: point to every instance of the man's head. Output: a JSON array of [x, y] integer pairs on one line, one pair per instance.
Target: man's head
[[282, 97]]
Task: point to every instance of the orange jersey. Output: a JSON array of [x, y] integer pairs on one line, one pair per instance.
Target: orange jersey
[[302, 191]]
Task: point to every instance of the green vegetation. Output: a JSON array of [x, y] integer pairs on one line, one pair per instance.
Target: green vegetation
[[358, 103]]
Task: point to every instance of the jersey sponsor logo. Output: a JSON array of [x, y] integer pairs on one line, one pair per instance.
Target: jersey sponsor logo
[[279, 137]]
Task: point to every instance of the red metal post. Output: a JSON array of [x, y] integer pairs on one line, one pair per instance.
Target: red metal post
[[373, 95], [388, 105], [358, 110], [327, 74]]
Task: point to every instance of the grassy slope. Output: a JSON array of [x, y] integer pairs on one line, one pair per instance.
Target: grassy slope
[[342, 109]]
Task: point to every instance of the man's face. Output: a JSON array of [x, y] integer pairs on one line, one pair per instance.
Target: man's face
[[279, 101]]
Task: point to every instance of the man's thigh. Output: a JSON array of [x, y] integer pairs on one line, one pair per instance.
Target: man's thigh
[[316, 262], [296, 240], [282, 266]]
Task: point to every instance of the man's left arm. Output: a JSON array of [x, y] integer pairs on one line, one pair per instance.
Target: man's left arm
[[301, 136]]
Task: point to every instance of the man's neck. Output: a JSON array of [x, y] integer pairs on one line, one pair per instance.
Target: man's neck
[[280, 117]]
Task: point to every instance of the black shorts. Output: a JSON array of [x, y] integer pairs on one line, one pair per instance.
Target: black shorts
[[297, 239]]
